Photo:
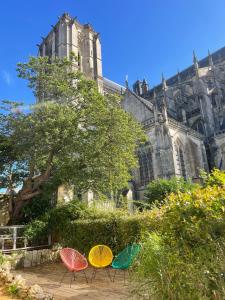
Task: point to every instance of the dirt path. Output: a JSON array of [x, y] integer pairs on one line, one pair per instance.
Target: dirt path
[[3, 295], [48, 277]]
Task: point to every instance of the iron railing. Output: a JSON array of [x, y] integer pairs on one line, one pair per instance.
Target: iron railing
[[12, 239]]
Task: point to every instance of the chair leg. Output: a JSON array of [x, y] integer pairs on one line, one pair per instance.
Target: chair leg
[[72, 276], [114, 275], [93, 274], [108, 273], [63, 277], [85, 276], [124, 275]]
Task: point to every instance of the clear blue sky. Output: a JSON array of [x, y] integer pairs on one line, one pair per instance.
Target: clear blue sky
[[140, 38]]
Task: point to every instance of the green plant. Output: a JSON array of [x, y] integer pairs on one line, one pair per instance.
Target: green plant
[[76, 225], [157, 190], [2, 258], [39, 205], [13, 289], [184, 257], [74, 135], [216, 177]]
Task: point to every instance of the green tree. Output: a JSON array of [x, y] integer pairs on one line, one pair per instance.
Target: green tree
[[157, 190], [74, 135]]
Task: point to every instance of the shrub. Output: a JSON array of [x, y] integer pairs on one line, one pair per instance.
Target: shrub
[[116, 231], [39, 205], [216, 177], [77, 226], [184, 258], [2, 259], [54, 220], [157, 190], [13, 289]]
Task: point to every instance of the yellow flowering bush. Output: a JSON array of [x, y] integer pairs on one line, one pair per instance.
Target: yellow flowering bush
[[184, 257]]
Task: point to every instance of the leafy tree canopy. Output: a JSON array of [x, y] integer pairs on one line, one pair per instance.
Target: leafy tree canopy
[[73, 135]]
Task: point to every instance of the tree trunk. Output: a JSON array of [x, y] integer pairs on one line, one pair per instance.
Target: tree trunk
[[26, 194], [32, 187]]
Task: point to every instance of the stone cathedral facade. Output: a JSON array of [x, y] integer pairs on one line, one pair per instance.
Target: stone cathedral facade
[[183, 117]]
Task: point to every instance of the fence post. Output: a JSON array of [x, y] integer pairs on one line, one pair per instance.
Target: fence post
[[3, 244], [14, 237], [49, 240], [25, 242]]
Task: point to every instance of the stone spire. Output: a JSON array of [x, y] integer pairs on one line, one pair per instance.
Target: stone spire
[[144, 87], [164, 85], [164, 102], [210, 60], [178, 76], [126, 82], [164, 109], [195, 61], [155, 106]]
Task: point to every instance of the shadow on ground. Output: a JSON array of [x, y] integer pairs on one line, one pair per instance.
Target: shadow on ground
[[101, 288]]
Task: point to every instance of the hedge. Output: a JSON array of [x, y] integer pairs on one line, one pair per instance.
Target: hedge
[[116, 232]]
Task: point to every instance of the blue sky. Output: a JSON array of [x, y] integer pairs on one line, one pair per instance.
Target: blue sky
[[141, 38]]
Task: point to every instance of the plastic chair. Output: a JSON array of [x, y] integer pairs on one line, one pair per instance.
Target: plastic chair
[[125, 258], [74, 262], [100, 256]]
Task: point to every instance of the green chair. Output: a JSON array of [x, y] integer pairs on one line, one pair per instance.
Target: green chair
[[125, 258]]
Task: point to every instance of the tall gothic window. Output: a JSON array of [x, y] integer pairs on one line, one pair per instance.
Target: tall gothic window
[[145, 165], [199, 126], [181, 171]]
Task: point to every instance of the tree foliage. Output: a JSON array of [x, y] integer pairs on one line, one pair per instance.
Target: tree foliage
[[73, 135], [157, 190]]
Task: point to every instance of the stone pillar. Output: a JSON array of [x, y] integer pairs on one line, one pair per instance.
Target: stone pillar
[[43, 51], [98, 63], [53, 44], [68, 40], [88, 197]]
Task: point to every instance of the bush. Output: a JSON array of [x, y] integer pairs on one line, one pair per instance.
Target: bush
[[2, 259], [157, 190], [216, 177], [184, 258], [115, 231], [77, 226], [13, 289], [54, 220], [39, 205]]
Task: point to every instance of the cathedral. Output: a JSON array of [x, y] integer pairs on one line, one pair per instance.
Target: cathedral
[[183, 117]]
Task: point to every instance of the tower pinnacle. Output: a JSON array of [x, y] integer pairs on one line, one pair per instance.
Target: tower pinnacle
[[210, 60], [195, 61], [164, 85]]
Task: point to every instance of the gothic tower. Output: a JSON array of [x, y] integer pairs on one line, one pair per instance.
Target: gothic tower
[[67, 36]]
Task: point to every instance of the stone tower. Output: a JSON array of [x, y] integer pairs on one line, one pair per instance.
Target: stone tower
[[67, 36]]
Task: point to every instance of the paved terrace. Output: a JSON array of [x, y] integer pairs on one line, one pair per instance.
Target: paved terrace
[[48, 277]]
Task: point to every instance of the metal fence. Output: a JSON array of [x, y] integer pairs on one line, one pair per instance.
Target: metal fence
[[12, 239]]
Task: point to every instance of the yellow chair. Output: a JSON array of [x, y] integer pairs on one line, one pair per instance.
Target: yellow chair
[[100, 256]]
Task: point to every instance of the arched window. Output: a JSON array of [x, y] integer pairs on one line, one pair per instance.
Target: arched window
[[199, 126], [181, 170], [145, 165], [78, 59]]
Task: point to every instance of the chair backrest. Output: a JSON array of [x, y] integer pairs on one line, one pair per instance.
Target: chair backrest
[[100, 256], [73, 259], [125, 258]]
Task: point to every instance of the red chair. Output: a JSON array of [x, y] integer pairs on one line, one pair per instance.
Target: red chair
[[74, 262]]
